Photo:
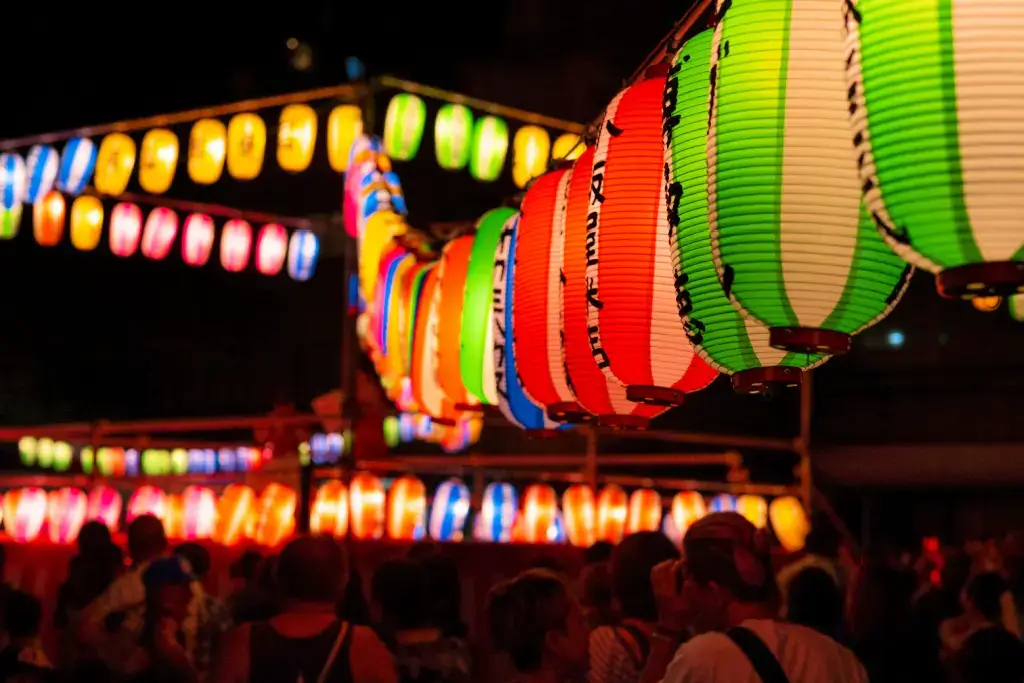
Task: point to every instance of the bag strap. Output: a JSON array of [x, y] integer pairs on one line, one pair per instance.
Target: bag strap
[[765, 664], [329, 664], [635, 643]]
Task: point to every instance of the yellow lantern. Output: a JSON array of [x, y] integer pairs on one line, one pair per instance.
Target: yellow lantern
[[567, 147], [754, 508], [86, 222], [114, 163], [344, 125], [206, 150], [158, 160], [296, 137], [48, 219], [530, 148], [987, 304], [247, 143], [789, 522]]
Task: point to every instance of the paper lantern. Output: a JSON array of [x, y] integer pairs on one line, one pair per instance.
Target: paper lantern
[[431, 399], [789, 522], [13, 181], [271, 248], [1015, 304], [381, 228], [449, 510], [235, 245], [687, 508], [125, 229], [344, 125], [580, 515], [158, 160], [147, 500], [399, 261], [200, 508], [296, 137], [303, 249], [275, 515], [179, 461], [668, 528], [452, 273], [476, 336], [156, 462], [86, 222], [612, 510], [540, 505], [207, 148], [754, 509], [77, 163], [400, 344], [794, 247], [104, 505], [403, 126], [490, 145], [723, 502], [197, 239], [393, 316], [110, 462], [28, 447], [48, 219], [10, 221], [498, 513], [362, 161], [987, 304], [644, 511], [453, 133], [174, 517], [329, 514], [44, 452], [407, 509], [115, 161], [235, 509], [41, 168], [366, 497], [567, 147], [247, 144], [159, 233], [24, 513], [66, 510], [530, 148]]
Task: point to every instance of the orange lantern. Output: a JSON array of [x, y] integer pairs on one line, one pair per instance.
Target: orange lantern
[[111, 461], [207, 147], [147, 500], [344, 125], [271, 249], [687, 508], [66, 510], [612, 509], [235, 509], [115, 161], [24, 513], [644, 511], [104, 505], [174, 517], [48, 219], [789, 522], [296, 137], [235, 245], [275, 515], [200, 516], [540, 507], [452, 273], [159, 234], [579, 511], [158, 160], [247, 143], [197, 239], [407, 509], [86, 222], [427, 391], [754, 508], [329, 514], [125, 229], [366, 498]]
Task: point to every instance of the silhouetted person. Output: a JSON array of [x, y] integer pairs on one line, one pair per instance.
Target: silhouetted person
[[991, 655], [212, 617], [23, 659], [253, 598], [814, 601], [596, 584]]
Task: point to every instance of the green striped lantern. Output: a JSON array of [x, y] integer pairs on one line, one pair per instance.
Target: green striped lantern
[[490, 145], [10, 219], [727, 341], [403, 126], [937, 105], [476, 340], [794, 248], [453, 133]]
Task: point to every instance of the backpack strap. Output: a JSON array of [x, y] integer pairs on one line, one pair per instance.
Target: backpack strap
[[635, 642], [765, 664], [329, 664]]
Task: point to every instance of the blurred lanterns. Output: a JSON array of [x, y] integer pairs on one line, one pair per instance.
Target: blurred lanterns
[[377, 240], [612, 510], [987, 304], [448, 511], [10, 221], [754, 509], [427, 391], [296, 137], [344, 125], [66, 510], [41, 172], [453, 134], [303, 249], [158, 160], [497, 513], [200, 513], [789, 522], [86, 222], [567, 147], [13, 181], [275, 515], [77, 163], [490, 145], [271, 249], [403, 126], [723, 502], [644, 511], [147, 500], [247, 144], [174, 517], [530, 148], [159, 233], [330, 510], [48, 219], [687, 508], [580, 515], [125, 229], [451, 299], [114, 164], [1015, 304], [104, 505], [28, 446], [235, 245], [235, 511], [366, 497], [110, 462], [197, 239], [407, 509], [540, 506], [207, 148], [24, 513]]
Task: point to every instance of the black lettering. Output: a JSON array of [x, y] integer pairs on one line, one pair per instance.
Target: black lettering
[[599, 354], [592, 299], [612, 129]]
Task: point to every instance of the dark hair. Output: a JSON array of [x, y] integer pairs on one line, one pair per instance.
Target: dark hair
[[197, 556], [23, 615], [713, 560], [246, 566], [548, 562], [312, 569], [632, 562], [814, 601], [599, 552], [93, 538], [146, 537], [400, 588], [822, 539], [522, 611], [991, 655], [985, 591]]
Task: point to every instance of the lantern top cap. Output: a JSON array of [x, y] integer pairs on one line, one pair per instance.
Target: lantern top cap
[[659, 70]]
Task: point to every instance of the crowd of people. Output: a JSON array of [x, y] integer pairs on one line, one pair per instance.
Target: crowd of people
[[639, 612]]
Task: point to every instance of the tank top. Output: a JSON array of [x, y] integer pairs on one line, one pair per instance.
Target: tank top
[[274, 658]]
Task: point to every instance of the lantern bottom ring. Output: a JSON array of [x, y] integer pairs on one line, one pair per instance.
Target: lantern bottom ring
[[469, 407], [766, 380], [624, 422], [443, 421], [654, 396], [996, 278], [542, 433], [568, 411], [809, 340]]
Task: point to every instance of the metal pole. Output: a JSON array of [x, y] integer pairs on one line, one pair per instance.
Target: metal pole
[[804, 441], [591, 456]]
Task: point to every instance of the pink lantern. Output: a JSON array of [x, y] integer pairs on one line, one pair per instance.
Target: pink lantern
[[24, 513], [235, 245], [104, 504], [159, 233], [65, 515], [271, 249], [125, 229], [200, 505], [147, 500], [197, 241]]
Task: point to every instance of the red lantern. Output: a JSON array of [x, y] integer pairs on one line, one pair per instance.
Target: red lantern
[[125, 229], [366, 496], [159, 233], [330, 510], [407, 509], [147, 500], [66, 510], [24, 513], [48, 219], [275, 515], [235, 510], [235, 245], [104, 505], [271, 249], [612, 507], [540, 507], [197, 240], [579, 514], [644, 511]]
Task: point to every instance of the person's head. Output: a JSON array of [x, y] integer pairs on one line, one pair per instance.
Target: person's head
[[23, 615], [814, 601], [982, 597], [596, 600], [534, 620], [598, 553], [549, 563], [312, 569], [728, 566], [246, 568], [197, 556], [823, 539], [400, 595], [93, 539], [631, 565], [168, 582], [146, 538], [991, 655]]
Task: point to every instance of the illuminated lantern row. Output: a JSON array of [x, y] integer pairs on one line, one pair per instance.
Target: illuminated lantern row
[[247, 144], [86, 222], [115, 162], [409, 427], [48, 219], [579, 512], [207, 149], [344, 125], [296, 137]]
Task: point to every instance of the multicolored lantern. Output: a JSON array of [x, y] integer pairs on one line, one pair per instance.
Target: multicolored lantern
[[687, 508], [344, 125], [159, 233], [275, 515], [13, 181], [754, 509], [66, 509], [24, 513], [207, 148], [147, 500], [197, 239], [579, 512], [362, 162], [236, 511], [48, 219], [329, 514], [789, 522], [644, 511], [497, 513], [125, 229], [612, 510], [530, 148], [453, 134], [104, 505], [490, 145], [114, 164], [449, 510], [403, 126], [303, 249], [723, 502], [86, 222], [77, 163], [247, 145], [407, 509], [158, 160], [366, 497], [235, 245], [296, 137], [41, 168], [271, 249], [10, 221], [567, 147]]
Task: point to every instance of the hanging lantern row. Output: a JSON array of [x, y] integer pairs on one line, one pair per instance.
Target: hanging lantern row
[[406, 428], [325, 448]]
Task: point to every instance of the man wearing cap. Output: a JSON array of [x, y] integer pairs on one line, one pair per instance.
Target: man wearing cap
[[724, 592]]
